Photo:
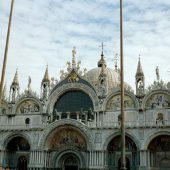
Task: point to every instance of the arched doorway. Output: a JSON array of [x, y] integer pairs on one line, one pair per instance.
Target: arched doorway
[[69, 148], [114, 152], [22, 163], [70, 163], [17, 153], [159, 150]]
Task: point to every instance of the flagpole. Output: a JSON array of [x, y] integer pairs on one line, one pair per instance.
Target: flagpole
[[123, 161], [6, 52]]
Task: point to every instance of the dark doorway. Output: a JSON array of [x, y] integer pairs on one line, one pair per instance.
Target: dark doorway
[[71, 163], [127, 164], [71, 167], [22, 163]]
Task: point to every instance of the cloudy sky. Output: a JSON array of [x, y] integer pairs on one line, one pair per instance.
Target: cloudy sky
[[44, 32]]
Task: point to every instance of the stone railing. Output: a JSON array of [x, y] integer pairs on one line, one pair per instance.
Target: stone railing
[[130, 124]]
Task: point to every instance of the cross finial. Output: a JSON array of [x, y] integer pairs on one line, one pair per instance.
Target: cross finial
[[115, 60], [102, 45]]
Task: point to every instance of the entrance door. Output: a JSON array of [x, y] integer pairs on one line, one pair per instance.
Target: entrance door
[[71, 163], [22, 163], [71, 167]]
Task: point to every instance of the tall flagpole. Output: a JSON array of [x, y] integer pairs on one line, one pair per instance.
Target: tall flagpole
[[6, 52], [123, 161]]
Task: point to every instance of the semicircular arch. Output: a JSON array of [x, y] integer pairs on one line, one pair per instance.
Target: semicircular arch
[[130, 100], [151, 136], [31, 103], [69, 87], [58, 158], [157, 98], [11, 136], [113, 135]]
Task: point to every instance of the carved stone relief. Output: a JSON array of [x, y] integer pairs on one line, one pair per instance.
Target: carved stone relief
[[28, 106], [158, 101], [115, 103], [66, 137]]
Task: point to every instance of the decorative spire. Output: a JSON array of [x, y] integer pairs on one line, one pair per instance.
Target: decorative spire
[[15, 80], [102, 61], [74, 58], [139, 71], [46, 75], [140, 80]]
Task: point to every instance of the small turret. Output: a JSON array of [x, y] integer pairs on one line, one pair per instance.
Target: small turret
[[140, 80], [14, 88], [45, 85]]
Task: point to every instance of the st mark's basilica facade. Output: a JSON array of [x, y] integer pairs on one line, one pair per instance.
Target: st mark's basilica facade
[[75, 122]]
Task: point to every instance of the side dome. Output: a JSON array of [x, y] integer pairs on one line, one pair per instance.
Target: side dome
[[113, 76]]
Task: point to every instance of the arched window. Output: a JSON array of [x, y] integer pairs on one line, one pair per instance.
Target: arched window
[[73, 101], [27, 121]]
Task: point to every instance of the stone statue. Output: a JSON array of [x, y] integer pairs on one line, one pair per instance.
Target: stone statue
[[157, 73], [29, 83]]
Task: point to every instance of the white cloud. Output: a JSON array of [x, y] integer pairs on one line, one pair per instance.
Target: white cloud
[[44, 32]]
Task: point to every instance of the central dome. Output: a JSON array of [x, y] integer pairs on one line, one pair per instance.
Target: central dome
[[113, 76]]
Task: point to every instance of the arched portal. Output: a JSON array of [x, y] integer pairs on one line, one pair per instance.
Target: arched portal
[[22, 163], [159, 149], [70, 162], [114, 153], [17, 153]]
